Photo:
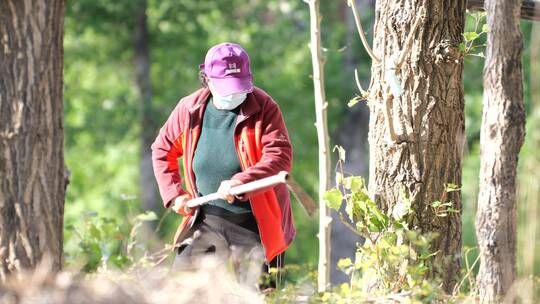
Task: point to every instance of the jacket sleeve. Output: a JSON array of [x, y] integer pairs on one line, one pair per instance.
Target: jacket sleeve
[[166, 150], [276, 149]]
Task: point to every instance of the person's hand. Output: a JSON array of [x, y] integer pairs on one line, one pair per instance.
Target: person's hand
[[224, 188], [179, 203]]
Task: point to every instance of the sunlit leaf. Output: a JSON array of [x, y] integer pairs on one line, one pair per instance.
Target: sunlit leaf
[[470, 36], [484, 28], [354, 183], [452, 187], [333, 198], [344, 263], [353, 102]]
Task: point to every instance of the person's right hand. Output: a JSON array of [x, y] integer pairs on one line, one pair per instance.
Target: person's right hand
[[180, 204]]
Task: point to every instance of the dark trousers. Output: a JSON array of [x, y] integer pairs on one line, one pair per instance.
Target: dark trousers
[[213, 236]]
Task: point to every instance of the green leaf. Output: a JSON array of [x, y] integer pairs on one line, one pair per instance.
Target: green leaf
[[452, 187], [109, 230], [108, 220], [94, 231], [470, 36], [327, 296], [374, 225], [374, 209], [344, 263], [333, 198], [345, 289], [349, 209], [354, 183], [452, 210], [379, 219], [92, 249], [462, 48], [400, 225], [484, 28], [353, 102], [360, 199], [147, 216], [384, 244]]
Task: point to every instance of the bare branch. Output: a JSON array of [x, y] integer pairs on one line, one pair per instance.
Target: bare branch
[[352, 5], [357, 79]]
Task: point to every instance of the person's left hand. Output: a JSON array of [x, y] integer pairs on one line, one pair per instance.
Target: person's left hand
[[224, 188]]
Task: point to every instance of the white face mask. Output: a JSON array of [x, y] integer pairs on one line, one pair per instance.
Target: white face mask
[[229, 102]]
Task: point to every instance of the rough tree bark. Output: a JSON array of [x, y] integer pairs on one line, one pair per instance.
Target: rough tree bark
[[428, 117], [324, 149], [501, 136], [149, 197], [32, 171]]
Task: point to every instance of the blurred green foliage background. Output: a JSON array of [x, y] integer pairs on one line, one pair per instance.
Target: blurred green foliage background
[[102, 109]]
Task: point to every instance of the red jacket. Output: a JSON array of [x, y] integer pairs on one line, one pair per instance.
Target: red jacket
[[263, 148]]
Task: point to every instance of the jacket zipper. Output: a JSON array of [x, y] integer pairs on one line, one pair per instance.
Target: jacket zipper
[[190, 177], [188, 150], [243, 166]]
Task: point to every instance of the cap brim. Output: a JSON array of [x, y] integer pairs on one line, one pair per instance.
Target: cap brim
[[228, 86]]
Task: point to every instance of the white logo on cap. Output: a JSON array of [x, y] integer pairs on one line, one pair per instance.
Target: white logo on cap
[[232, 69]]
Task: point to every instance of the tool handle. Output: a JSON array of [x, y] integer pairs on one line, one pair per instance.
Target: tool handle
[[260, 184]]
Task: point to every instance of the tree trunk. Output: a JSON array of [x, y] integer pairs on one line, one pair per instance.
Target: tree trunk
[[324, 149], [32, 170], [502, 134], [530, 9], [428, 117], [149, 197]]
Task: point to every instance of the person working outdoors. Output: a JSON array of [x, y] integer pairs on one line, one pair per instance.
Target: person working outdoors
[[229, 132]]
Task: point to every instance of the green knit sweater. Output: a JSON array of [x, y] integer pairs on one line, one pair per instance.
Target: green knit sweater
[[215, 156]]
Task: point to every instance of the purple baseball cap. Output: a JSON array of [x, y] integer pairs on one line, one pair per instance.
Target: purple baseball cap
[[227, 66]]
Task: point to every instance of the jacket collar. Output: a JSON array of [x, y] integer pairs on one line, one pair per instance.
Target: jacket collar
[[200, 97], [249, 107]]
